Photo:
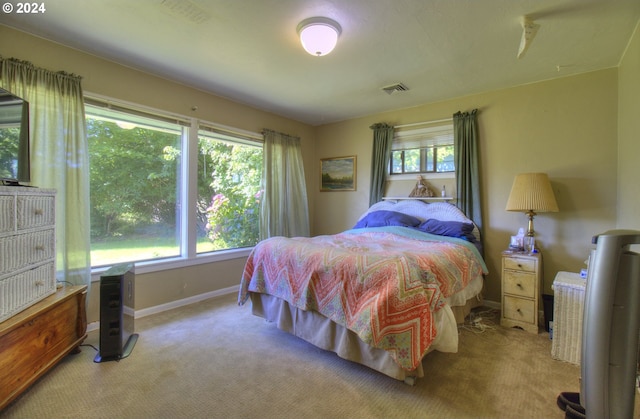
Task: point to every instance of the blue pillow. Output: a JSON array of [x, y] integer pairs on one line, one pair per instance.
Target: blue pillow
[[387, 218], [448, 228]]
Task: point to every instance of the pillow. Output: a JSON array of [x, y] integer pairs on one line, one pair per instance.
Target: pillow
[[448, 228], [387, 218]]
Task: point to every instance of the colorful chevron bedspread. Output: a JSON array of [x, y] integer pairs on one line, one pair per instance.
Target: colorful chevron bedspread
[[383, 283]]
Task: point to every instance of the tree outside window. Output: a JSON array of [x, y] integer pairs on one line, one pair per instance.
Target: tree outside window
[[229, 192], [136, 188]]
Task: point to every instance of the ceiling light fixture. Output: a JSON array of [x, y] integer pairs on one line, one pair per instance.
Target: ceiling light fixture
[[319, 35]]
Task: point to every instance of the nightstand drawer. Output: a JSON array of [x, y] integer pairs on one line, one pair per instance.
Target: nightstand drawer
[[520, 264], [519, 309], [519, 283]]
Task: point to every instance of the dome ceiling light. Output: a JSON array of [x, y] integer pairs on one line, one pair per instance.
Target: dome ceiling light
[[319, 35]]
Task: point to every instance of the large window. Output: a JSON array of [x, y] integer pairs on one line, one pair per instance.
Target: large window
[[229, 179], [140, 205], [427, 150]]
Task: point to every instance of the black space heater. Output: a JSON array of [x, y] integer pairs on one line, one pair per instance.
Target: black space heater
[[117, 298]]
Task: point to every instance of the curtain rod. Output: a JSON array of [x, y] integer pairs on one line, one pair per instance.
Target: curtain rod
[[424, 123]]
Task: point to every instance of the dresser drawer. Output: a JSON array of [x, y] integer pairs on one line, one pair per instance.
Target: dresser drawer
[[519, 309], [20, 251], [520, 264], [35, 211], [519, 283], [23, 290]]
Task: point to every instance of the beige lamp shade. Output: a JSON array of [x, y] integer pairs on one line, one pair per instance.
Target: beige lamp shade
[[531, 193]]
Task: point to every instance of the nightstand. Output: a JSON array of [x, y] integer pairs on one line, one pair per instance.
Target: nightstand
[[521, 282]]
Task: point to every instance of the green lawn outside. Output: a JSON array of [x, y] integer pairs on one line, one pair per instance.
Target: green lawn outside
[[110, 252]]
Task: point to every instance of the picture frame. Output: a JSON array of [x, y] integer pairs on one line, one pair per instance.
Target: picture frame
[[338, 174]]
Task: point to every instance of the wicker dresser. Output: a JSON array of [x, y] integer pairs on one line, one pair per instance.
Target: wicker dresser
[[39, 324], [27, 247]]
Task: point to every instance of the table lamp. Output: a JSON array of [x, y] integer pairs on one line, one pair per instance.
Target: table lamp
[[531, 193]]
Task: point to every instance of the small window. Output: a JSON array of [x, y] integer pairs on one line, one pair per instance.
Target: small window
[[427, 150]]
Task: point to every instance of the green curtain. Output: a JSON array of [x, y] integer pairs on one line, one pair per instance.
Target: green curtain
[[466, 154], [59, 157], [382, 141], [285, 210]]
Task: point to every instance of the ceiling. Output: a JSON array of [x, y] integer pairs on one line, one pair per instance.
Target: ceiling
[[248, 50]]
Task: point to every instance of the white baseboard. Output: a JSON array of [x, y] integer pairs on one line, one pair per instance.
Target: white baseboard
[[492, 304], [174, 304], [185, 301]]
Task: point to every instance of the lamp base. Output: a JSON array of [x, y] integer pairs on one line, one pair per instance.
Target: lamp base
[[530, 214], [530, 241]]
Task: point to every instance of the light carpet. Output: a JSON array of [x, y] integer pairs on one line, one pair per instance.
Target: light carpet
[[215, 359]]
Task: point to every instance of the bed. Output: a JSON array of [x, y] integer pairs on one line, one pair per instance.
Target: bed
[[383, 294]]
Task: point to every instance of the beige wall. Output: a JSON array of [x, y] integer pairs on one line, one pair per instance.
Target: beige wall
[[629, 137], [565, 127], [112, 80]]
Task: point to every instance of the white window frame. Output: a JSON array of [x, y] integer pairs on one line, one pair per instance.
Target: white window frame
[[189, 191], [417, 138]]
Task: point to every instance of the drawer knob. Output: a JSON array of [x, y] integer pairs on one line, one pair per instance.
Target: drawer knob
[[39, 211], [519, 285], [39, 247], [39, 283], [519, 266]]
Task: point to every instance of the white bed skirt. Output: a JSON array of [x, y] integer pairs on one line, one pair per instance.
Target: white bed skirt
[[326, 334]]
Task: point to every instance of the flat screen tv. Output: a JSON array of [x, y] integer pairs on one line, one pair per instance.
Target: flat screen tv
[[14, 139]]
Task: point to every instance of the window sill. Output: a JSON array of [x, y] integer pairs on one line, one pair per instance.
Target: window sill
[[148, 266], [412, 176], [424, 198]]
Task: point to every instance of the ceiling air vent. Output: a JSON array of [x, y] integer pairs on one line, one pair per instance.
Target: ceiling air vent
[[398, 87], [186, 9]]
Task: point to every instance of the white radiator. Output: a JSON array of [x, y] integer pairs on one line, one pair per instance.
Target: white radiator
[[568, 309]]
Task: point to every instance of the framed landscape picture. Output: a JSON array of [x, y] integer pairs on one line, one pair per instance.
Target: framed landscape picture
[[338, 174]]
